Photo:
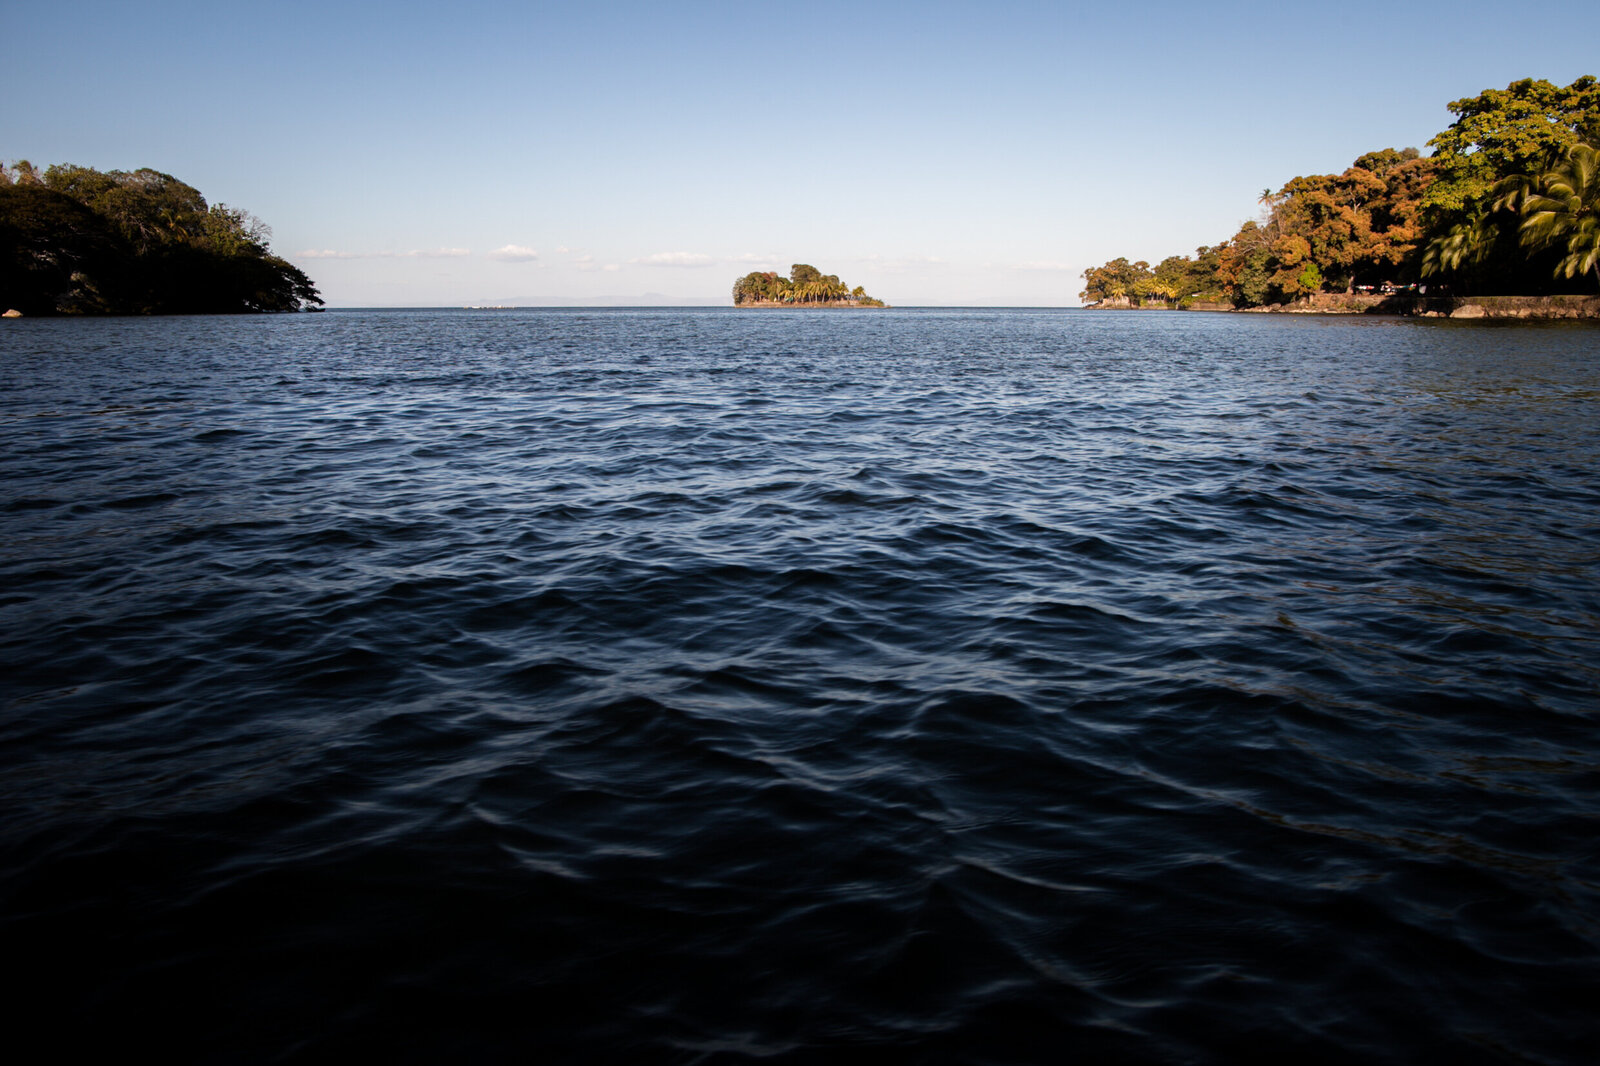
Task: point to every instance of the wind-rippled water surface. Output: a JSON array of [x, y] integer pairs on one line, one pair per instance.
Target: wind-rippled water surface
[[723, 687]]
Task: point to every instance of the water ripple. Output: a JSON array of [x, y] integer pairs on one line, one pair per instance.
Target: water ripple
[[704, 687]]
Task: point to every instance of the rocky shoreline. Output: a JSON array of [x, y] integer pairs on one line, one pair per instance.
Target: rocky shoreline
[[1408, 304]]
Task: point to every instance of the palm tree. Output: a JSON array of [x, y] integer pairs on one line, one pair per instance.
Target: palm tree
[[1466, 244], [1564, 209]]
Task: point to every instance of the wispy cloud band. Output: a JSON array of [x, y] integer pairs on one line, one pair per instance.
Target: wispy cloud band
[[675, 259], [415, 253], [514, 253]]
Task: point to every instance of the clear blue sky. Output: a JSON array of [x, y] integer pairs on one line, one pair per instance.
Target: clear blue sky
[[947, 153]]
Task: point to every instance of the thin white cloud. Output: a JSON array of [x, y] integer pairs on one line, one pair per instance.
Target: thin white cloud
[[611, 266], [1043, 266], [514, 253], [675, 259], [415, 253]]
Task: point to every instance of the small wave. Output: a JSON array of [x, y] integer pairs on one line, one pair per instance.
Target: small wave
[[940, 686]]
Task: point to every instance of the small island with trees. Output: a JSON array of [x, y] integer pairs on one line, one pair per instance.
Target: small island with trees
[[1503, 218], [76, 241], [806, 286]]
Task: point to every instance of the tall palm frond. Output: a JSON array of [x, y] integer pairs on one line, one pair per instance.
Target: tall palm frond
[[1565, 211], [1512, 191], [1464, 245]]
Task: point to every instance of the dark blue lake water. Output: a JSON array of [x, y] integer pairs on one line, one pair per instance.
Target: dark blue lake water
[[721, 687]]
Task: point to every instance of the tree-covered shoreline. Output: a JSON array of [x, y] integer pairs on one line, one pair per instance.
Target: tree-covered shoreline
[[78, 241], [806, 286], [1507, 204]]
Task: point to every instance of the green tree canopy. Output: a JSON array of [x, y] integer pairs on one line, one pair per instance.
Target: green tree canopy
[[1520, 129], [1176, 279], [805, 285], [1505, 204], [1117, 278], [1555, 212], [56, 254], [78, 240]]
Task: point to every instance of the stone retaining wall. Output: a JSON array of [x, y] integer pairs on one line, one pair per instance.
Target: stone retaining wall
[[1338, 303]]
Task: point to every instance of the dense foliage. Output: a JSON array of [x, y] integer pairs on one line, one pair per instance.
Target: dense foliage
[[804, 285], [74, 240], [1507, 203]]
